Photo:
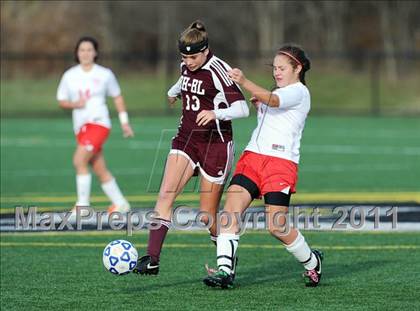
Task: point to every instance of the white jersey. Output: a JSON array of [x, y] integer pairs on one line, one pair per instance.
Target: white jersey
[[280, 128], [97, 83]]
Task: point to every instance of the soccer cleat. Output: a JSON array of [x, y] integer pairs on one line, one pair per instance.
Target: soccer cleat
[[211, 271], [145, 265], [219, 279], [124, 208], [313, 277]]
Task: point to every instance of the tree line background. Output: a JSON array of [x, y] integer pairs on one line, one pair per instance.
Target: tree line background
[[380, 38]]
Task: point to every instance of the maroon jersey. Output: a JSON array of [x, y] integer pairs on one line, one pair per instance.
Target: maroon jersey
[[207, 88]]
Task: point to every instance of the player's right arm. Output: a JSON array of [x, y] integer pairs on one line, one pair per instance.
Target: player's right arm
[[63, 96], [174, 92], [66, 104]]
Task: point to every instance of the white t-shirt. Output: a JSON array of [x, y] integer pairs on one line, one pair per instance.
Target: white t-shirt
[[280, 129], [98, 83]]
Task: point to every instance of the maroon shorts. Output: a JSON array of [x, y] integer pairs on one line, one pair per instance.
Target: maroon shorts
[[213, 159]]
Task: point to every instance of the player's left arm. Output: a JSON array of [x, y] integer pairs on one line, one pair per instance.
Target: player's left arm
[[114, 90], [123, 116]]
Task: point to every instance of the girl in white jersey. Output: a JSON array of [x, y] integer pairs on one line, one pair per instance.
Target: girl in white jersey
[[83, 89], [268, 166]]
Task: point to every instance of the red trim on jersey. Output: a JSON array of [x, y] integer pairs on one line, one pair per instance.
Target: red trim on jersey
[[270, 174], [92, 136]]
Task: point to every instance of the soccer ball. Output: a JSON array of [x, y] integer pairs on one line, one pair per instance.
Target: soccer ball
[[120, 257]]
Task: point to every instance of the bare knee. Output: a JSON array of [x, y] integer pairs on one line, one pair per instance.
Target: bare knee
[[80, 165]]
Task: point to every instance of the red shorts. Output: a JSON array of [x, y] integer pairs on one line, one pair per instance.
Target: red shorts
[[92, 136], [213, 159], [270, 174]]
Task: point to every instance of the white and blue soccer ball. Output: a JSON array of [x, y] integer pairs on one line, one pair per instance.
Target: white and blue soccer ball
[[120, 257]]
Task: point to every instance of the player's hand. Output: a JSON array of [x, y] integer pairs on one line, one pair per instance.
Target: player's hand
[[237, 76], [204, 117], [255, 102], [79, 104], [127, 130], [83, 98], [171, 101]]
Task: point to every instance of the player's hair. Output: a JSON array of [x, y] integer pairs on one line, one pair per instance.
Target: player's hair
[[86, 39], [297, 56], [194, 38]]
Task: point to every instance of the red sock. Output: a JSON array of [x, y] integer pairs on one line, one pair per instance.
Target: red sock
[[157, 235]]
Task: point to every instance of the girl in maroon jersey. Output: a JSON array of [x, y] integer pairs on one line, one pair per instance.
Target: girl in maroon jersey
[[203, 144]]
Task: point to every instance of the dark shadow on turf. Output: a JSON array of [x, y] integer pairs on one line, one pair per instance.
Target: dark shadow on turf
[[273, 271], [145, 286]]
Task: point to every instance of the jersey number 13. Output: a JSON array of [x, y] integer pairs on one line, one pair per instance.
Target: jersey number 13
[[194, 105]]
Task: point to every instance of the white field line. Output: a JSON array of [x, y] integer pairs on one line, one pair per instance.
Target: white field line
[[70, 143], [374, 133], [335, 168], [69, 172], [154, 145], [400, 134], [361, 150]]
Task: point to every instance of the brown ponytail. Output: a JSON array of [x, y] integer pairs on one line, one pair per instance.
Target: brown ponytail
[[194, 39]]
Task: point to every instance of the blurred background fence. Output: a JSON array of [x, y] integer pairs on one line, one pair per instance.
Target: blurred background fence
[[365, 54]]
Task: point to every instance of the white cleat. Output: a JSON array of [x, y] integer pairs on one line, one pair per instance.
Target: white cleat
[[125, 208]]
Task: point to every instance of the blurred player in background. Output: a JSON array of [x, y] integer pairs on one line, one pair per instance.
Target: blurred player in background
[[83, 89], [268, 167], [204, 140]]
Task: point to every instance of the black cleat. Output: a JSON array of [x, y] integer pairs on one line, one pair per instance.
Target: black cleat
[[219, 279], [145, 265], [313, 277]]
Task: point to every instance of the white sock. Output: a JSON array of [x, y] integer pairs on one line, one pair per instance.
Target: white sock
[[113, 192], [83, 183], [300, 249], [227, 244]]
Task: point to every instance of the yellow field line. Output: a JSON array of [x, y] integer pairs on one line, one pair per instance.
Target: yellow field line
[[208, 245], [297, 198]]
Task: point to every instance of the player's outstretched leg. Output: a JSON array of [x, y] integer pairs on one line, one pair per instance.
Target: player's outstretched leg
[[149, 264], [227, 244], [313, 277]]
